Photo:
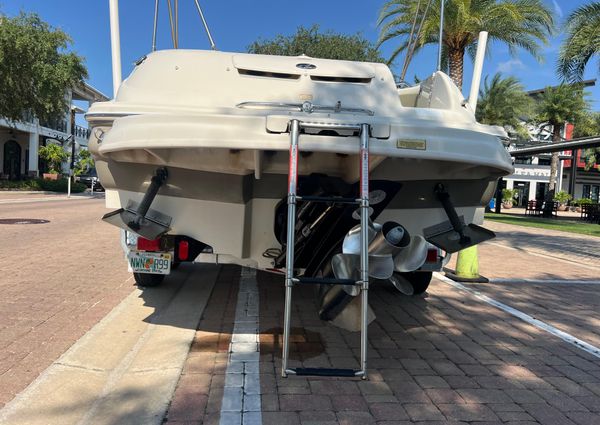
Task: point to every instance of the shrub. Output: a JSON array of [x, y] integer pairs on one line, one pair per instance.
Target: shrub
[[562, 197], [60, 185], [508, 195], [582, 201], [31, 184], [55, 155], [84, 162]]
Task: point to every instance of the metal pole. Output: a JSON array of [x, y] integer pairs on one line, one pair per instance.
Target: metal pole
[[560, 174], [172, 23], [477, 70], [573, 179], [155, 25], [364, 244], [498, 203], [439, 65], [115, 44], [210, 39], [177, 24], [290, 242], [72, 164]]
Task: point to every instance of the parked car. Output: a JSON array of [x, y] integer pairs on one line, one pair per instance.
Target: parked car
[[89, 177]]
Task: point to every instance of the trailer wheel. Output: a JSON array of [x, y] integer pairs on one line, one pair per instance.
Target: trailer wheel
[[146, 280], [418, 281]]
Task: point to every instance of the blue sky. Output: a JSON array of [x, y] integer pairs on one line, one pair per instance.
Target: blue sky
[[236, 23]]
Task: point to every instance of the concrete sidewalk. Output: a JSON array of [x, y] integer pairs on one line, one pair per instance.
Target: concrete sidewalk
[[16, 197]]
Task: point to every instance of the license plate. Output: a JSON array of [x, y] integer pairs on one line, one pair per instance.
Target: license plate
[[150, 262]]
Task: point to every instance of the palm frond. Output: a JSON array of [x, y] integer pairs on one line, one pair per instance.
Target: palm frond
[[519, 24], [582, 42]]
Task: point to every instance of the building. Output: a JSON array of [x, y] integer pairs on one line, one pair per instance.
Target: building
[[532, 174], [20, 141]]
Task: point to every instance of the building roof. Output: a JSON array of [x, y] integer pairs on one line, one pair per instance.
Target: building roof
[[585, 83], [89, 93]]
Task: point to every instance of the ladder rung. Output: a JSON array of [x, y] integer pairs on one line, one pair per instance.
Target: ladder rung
[[325, 281], [318, 371], [333, 199]]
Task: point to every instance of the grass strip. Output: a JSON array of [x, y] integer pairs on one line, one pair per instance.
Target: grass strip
[[570, 226]]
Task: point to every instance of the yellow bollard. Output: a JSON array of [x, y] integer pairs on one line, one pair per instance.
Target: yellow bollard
[[467, 267]]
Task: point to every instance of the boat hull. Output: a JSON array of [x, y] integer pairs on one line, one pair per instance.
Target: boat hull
[[235, 214]]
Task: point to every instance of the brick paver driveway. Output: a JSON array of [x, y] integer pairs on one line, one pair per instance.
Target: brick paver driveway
[[57, 279], [443, 358]]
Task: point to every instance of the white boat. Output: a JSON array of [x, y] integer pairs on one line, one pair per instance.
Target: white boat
[[220, 123], [219, 154]]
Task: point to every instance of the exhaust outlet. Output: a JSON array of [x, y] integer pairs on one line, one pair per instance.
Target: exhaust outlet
[[391, 239]]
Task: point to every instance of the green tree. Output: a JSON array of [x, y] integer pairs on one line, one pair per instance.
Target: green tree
[[55, 155], [557, 106], [504, 102], [35, 68], [589, 125], [84, 162], [317, 44], [582, 41], [517, 23]]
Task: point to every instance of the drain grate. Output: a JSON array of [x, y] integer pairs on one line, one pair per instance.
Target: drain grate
[[23, 221]]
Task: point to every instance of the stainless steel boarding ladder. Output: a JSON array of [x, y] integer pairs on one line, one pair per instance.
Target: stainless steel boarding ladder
[[290, 280]]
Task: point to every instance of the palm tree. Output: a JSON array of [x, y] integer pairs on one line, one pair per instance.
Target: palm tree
[[517, 23], [557, 106], [589, 125], [582, 41], [503, 101]]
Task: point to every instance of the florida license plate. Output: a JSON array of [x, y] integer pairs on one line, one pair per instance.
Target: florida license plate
[[150, 262]]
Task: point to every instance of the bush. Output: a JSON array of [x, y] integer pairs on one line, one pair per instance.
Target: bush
[[32, 184], [562, 197], [508, 195], [55, 155], [60, 185], [582, 201]]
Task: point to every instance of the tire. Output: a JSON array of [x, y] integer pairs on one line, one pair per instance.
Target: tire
[[419, 281], [146, 280]]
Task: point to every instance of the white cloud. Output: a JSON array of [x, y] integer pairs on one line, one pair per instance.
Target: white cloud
[[557, 9], [510, 66]]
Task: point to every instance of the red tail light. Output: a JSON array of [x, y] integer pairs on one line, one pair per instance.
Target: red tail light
[[432, 256], [148, 245], [183, 250]]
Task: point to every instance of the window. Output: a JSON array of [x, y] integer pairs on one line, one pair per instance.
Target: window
[[523, 160], [591, 191], [544, 161]]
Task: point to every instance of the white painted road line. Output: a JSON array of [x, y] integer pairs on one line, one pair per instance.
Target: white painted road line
[[589, 348], [241, 396], [547, 281]]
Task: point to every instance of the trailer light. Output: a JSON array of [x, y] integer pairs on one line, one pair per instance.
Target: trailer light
[[183, 250], [432, 256], [144, 244]]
